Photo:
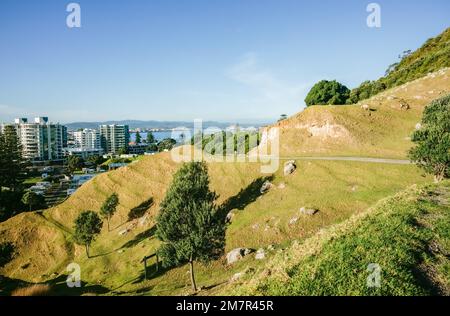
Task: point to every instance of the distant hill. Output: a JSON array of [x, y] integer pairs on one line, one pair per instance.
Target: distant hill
[[157, 124]]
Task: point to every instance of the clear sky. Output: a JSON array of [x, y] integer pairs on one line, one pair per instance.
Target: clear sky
[[226, 60]]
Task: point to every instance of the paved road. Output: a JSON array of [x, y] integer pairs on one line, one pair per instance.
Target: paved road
[[357, 159]]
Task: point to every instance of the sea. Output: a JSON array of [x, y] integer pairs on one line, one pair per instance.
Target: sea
[[160, 135]]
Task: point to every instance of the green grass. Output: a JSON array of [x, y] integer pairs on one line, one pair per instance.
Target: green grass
[[408, 236]]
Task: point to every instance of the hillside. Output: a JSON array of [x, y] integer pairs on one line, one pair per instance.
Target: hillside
[[338, 189], [351, 131], [405, 235], [432, 56]]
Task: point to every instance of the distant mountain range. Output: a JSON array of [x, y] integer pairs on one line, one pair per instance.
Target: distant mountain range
[[133, 124]]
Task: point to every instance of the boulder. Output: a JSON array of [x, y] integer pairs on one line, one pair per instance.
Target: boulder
[[237, 276], [123, 232], [260, 254], [281, 186], [418, 126], [365, 107], [293, 220], [308, 211], [265, 187], [229, 217], [404, 105], [237, 254], [289, 167]]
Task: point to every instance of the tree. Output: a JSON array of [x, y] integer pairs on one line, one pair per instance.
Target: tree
[[95, 160], [327, 92], [6, 253], [123, 151], [87, 226], [166, 144], [138, 138], [33, 200], [12, 165], [109, 207], [74, 163], [432, 150], [188, 223], [150, 138]]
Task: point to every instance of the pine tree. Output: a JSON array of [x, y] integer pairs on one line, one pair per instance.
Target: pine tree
[[188, 224], [138, 138], [87, 226], [150, 138], [12, 166], [109, 207]]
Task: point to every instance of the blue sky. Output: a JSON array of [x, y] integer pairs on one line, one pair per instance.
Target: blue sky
[[226, 60]]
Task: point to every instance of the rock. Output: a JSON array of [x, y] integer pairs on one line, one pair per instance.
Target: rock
[[237, 254], [123, 232], [404, 105], [260, 254], [293, 220], [237, 276], [289, 167], [229, 217], [281, 186], [265, 187], [308, 211], [255, 226], [418, 126], [365, 107]]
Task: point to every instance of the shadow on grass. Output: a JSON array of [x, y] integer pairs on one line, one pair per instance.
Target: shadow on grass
[[244, 197], [140, 210], [137, 212], [56, 287], [147, 234]]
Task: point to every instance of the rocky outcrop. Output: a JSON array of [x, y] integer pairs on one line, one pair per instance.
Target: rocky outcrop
[[265, 187], [308, 211], [260, 254], [237, 254], [289, 167]]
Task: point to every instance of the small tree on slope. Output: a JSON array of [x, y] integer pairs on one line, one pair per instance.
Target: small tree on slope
[[109, 207], [188, 223], [432, 150], [87, 226]]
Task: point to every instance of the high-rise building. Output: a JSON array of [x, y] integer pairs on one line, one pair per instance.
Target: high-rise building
[[114, 138], [87, 139], [41, 140]]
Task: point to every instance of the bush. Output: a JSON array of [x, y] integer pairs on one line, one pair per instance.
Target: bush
[[327, 92], [433, 140]]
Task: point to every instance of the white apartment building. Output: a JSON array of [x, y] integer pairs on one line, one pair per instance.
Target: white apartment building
[[114, 138], [41, 140], [87, 139]]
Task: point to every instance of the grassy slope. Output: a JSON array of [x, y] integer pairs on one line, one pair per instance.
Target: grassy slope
[[406, 235], [338, 189], [382, 132]]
